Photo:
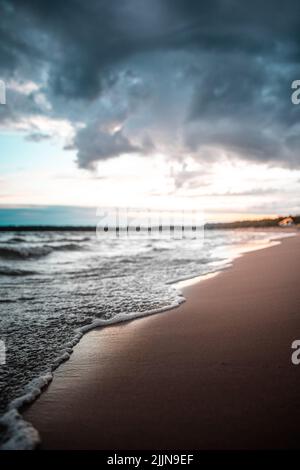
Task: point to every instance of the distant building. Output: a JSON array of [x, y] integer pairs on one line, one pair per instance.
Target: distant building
[[287, 222]]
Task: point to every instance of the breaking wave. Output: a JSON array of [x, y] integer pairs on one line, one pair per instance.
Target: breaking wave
[[28, 252], [7, 271]]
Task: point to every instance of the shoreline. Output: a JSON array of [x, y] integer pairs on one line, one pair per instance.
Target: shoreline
[[21, 433], [98, 343]]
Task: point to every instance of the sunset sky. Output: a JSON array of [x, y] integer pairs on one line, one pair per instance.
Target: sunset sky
[[151, 103]]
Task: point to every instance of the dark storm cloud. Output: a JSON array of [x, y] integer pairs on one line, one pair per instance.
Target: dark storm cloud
[[86, 38], [94, 145], [19, 106], [230, 64]]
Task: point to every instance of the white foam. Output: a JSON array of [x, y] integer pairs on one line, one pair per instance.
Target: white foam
[[122, 317], [21, 434]]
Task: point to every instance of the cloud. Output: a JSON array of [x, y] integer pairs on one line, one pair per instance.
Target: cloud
[[181, 78], [93, 145], [37, 137]]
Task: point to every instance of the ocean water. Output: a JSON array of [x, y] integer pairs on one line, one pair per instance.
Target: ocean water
[[56, 285]]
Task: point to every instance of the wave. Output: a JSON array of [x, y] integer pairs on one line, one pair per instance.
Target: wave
[[64, 247], [14, 240], [24, 252], [6, 271], [159, 249], [76, 240], [28, 252]]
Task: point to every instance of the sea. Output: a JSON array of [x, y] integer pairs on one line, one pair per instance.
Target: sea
[[56, 285]]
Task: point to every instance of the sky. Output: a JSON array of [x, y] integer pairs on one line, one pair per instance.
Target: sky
[[151, 103]]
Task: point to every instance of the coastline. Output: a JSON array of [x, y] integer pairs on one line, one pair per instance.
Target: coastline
[[139, 384], [18, 433]]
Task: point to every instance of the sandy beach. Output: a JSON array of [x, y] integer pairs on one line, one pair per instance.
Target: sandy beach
[[214, 373]]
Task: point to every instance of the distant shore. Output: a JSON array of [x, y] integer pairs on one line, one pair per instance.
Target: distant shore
[[214, 373], [245, 224]]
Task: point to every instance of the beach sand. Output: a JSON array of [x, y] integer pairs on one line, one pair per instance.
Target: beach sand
[[214, 373]]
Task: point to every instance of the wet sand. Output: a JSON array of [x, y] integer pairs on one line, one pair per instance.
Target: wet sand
[[214, 373]]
